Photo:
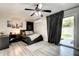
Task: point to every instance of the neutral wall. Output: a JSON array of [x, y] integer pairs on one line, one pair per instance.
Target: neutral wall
[[3, 26], [40, 26]]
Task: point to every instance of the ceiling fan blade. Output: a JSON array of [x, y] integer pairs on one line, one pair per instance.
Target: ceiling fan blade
[[46, 10], [29, 9], [32, 14]]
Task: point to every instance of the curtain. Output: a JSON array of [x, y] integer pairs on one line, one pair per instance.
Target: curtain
[[54, 25]]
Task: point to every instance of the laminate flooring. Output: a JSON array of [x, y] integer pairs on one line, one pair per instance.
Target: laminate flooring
[[42, 48]]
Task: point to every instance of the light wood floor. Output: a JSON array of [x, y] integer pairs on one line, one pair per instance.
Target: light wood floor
[[38, 49]]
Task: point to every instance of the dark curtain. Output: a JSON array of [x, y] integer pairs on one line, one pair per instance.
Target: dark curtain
[[54, 26]]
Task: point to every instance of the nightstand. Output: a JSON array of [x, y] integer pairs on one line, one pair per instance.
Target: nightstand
[[14, 38]]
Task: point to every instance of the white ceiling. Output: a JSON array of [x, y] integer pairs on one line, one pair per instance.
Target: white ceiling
[[16, 10]]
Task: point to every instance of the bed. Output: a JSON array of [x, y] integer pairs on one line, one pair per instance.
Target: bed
[[32, 38]]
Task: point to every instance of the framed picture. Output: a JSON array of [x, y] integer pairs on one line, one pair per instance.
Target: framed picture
[[16, 25]]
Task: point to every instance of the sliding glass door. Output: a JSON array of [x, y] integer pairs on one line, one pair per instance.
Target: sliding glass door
[[67, 36]]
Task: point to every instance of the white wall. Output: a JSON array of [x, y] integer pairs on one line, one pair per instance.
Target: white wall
[[3, 26], [40, 26]]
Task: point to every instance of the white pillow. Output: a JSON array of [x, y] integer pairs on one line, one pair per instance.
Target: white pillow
[[28, 32], [31, 32]]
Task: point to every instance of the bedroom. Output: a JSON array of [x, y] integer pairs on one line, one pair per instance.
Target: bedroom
[[15, 19]]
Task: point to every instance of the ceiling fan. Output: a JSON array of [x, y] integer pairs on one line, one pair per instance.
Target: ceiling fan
[[38, 10]]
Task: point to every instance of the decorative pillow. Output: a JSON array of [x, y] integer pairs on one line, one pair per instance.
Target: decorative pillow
[[29, 32]]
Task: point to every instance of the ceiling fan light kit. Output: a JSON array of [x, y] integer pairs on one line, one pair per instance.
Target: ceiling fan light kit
[[38, 13], [40, 6]]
